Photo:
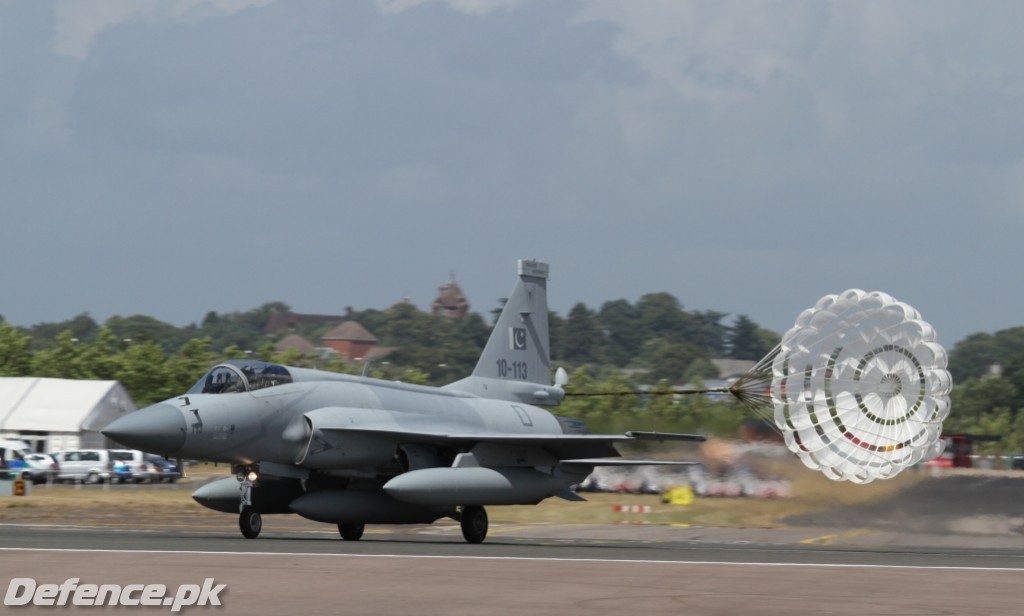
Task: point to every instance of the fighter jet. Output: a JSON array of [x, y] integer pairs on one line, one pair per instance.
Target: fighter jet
[[351, 451]]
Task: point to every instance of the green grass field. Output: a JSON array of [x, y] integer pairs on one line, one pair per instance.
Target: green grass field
[[810, 492]]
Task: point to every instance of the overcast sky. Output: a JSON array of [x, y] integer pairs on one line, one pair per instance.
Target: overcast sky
[[173, 157]]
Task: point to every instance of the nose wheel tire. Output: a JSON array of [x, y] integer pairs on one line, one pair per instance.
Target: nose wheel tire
[[474, 524], [250, 522], [351, 532]]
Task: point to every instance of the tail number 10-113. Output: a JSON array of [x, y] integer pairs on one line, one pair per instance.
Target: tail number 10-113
[[515, 370]]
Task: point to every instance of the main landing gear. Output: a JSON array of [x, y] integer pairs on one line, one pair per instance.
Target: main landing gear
[[351, 532], [474, 523], [250, 522]]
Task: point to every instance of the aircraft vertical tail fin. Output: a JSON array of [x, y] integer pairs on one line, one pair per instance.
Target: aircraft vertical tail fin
[[518, 347], [516, 362]]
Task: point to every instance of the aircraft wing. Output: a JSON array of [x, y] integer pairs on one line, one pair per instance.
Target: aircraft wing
[[627, 462], [579, 449], [522, 438]]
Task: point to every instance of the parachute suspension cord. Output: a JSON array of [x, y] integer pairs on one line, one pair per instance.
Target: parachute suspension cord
[[753, 390]]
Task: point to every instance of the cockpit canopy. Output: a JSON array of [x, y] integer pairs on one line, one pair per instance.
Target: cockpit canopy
[[239, 375]]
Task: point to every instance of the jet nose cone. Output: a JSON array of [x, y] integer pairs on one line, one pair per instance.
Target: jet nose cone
[[157, 429]]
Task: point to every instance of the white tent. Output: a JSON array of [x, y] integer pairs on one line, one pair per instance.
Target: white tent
[[54, 414]]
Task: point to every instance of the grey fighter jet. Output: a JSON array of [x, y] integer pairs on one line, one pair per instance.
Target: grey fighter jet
[[352, 451]]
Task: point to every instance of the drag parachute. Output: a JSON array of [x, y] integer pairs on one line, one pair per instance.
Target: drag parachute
[[859, 387]]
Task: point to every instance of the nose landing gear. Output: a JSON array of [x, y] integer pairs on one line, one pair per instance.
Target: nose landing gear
[[250, 522]]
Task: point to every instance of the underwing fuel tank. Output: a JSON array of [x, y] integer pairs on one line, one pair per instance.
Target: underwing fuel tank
[[364, 507], [270, 496], [478, 486]]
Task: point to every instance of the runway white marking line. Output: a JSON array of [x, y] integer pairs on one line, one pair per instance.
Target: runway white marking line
[[517, 558]]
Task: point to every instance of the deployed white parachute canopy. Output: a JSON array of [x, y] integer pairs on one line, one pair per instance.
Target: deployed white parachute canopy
[[859, 387]]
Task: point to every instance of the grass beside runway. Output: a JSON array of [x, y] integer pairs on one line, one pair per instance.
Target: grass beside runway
[[157, 504], [810, 492]]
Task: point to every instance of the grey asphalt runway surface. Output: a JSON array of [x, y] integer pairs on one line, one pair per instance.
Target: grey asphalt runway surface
[[430, 570], [924, 554]]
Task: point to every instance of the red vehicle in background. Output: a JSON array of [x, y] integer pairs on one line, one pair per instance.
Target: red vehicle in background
[[959, 450]]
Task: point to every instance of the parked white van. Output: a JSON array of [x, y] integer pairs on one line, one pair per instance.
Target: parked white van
[[85, 465]]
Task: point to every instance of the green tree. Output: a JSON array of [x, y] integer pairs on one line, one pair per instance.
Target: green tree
[[668, 360], [234, 352], [414, 376], [556, 333], [1013, 371], [244, 330], [971, 357], [473, 330], [61, 362], [211, 320], [1014, 441], [184, 368], [1010, 341], [662, 404], [769, 339], [496, 311], [975, 398], [999, 422], [405, 324], [434, 344], [143, 373], [661, 315], [620, 322], [46, 335], [745, 340], [700, 368], [582, 336], [293, 357], [101, 358], [266, 352], [580, 380], [710, 334], [15, 353], [140, 328], [612, 414]]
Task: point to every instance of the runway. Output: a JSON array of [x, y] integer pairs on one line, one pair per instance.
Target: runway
[[525, 570]]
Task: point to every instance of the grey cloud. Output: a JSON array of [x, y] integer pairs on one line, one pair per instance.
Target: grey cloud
[[746, 157]]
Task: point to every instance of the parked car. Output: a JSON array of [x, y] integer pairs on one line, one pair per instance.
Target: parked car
[[40, 468], [120, 471], [85, 465], [167, 470], [12, 457], [135, 467]]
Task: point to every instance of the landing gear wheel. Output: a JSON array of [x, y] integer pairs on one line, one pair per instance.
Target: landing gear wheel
[[351, 532], [250, 522], [474, 524]]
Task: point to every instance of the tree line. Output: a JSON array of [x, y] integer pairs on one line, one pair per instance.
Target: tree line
[[650, 345]]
